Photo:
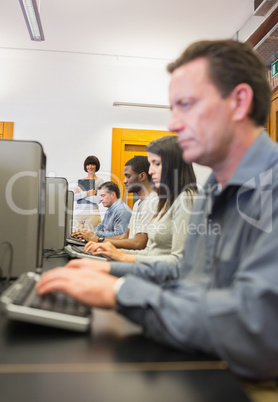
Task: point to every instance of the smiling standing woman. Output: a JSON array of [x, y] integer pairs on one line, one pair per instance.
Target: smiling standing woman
[[175, 184], [86, 211]]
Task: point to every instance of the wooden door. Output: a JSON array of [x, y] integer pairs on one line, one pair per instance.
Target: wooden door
[[6, 130], [273, 118], [127, 143]]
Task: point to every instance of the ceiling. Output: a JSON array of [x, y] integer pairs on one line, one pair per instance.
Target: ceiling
[[267, 48], [265, 38], [158, 29]]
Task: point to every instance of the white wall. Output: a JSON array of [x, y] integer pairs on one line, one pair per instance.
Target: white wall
[[64, 101]]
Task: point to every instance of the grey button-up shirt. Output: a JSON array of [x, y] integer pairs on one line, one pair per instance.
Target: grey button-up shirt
[[222, 296], [115, 221]]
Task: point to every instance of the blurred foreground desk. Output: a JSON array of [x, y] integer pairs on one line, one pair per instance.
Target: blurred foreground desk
[[114, 362]]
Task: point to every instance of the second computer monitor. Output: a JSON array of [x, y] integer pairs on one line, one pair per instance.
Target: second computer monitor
[[70, 207], [55, 213]]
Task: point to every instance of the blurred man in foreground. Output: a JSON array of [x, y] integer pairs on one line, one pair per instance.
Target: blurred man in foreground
[[222, 296]]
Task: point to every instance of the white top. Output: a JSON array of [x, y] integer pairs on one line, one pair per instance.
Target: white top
[[142, 214], [166, 236]]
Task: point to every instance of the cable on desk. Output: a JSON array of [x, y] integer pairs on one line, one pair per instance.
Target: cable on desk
[[51, 253], [6, 281]]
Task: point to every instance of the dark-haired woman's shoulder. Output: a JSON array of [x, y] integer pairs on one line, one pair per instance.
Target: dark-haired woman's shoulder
[[184, 202]]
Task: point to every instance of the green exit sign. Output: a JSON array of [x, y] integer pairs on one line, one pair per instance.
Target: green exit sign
[[274, 68]]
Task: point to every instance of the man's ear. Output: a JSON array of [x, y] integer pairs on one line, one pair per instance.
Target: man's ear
[[142, 176], [241, 101]]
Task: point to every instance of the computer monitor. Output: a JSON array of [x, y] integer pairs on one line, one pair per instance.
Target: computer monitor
[[70, 213], [55, 213], [22, 206]]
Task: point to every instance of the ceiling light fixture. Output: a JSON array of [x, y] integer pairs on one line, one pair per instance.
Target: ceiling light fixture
[[32, 19], [148, 105]]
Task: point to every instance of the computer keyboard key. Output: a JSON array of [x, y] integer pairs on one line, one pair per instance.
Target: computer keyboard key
[[22, 302]]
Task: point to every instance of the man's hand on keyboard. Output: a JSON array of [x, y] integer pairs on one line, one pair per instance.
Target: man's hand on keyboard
[[94, 265], [92, 288], [86, 234]]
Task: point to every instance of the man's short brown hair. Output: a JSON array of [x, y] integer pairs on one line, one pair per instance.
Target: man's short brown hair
[[229, 64]]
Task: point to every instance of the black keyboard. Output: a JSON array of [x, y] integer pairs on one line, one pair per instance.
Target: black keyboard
[[22, 302], [90, 255], [75, 251], [74, 240]]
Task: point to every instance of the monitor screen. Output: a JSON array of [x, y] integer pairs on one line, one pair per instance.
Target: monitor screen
[[22, 200]]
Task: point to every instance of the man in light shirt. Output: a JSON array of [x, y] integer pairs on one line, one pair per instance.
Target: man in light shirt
[[116, 217]]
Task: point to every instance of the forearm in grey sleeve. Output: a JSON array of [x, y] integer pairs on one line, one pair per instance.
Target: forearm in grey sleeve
[[172, 317], [120, 225], [237, 324], [103, 231], [157, 272]]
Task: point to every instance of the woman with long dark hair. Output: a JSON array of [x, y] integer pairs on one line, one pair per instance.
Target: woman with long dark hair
[[175, 183]]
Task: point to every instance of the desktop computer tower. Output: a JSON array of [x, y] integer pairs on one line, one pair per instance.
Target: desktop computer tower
[[22, 206], [56, 204]]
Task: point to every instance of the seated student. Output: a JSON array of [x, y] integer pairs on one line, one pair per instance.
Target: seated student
[[117, 215], [137, 180], [175, 183], [225, 296]]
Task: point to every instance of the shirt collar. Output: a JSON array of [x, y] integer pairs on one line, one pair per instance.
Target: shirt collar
[[113, 206], [255, 161], [149, 196]]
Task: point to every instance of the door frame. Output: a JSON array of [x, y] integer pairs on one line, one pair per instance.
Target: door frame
[[127, 143], [6, 130], [273, 118]]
